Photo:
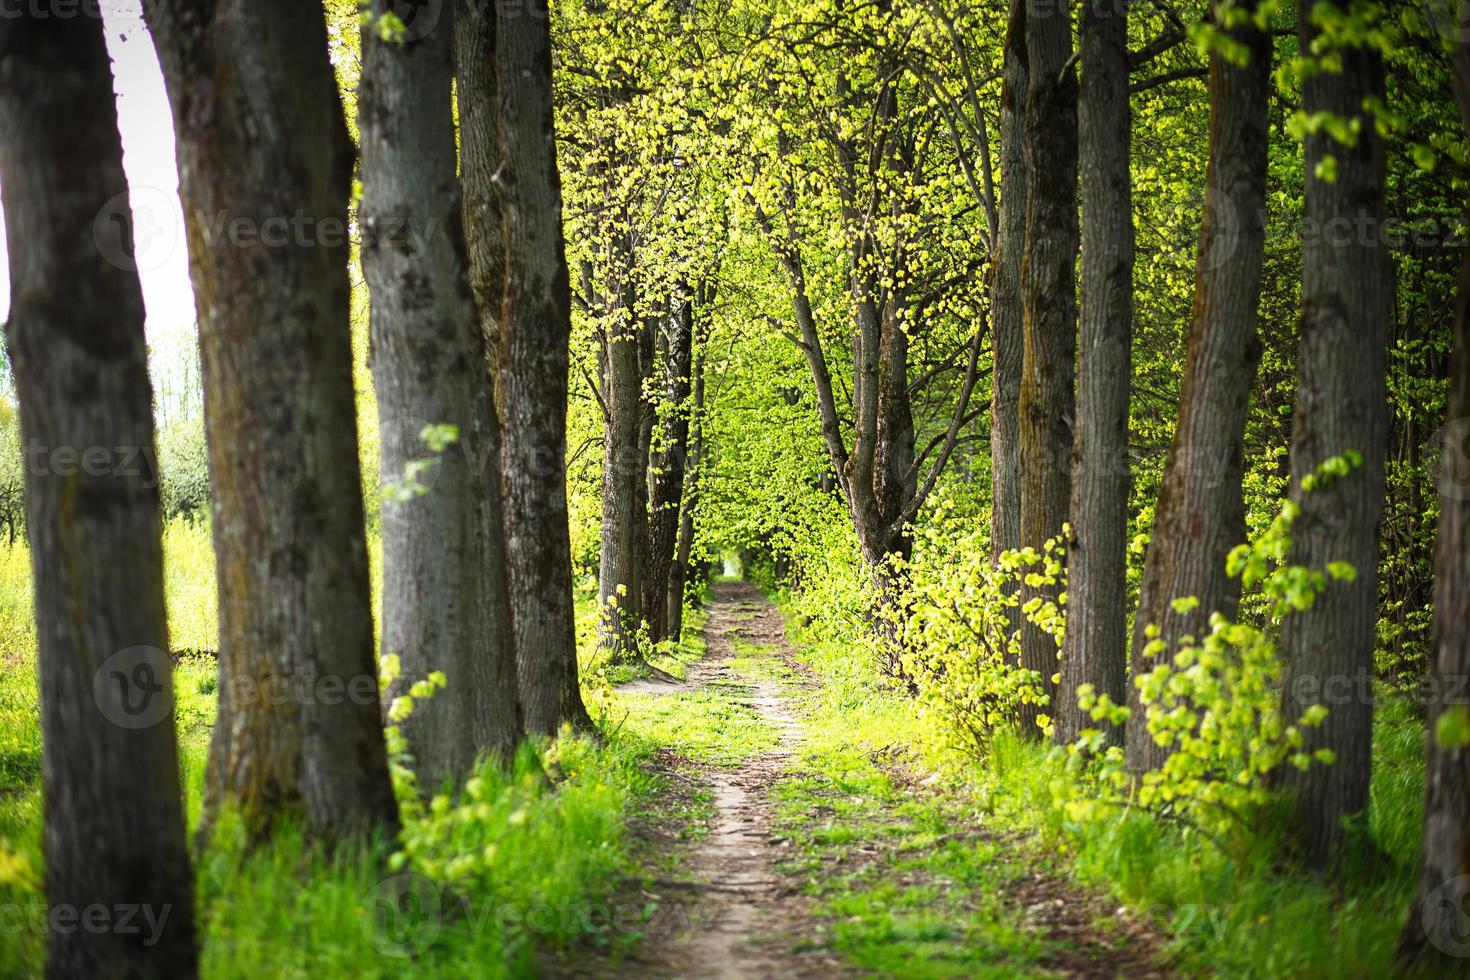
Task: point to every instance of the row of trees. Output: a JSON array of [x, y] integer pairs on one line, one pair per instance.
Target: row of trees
[[470, 326], [855, 146]]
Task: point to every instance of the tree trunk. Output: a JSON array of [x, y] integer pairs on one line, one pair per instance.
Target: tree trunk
[[1005, 303], [1049, 308], [265, 170], [445, 605], [114, 822], [1437, 917], [1341, 405], [479, 159], [1200, 513], [679, 574], [534, 359], [1095, 650], [622, 477], [666, 467]]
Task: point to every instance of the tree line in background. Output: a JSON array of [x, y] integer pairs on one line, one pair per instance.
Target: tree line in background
[[1107, 280]]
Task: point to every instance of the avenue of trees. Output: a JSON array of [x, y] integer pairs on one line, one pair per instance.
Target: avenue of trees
[[1168, 303]]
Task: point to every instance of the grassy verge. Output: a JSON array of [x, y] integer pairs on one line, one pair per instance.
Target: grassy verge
[[1221, 914], [519, 865]]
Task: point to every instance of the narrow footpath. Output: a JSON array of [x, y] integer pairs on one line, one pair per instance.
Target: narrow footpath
[[741, 900]]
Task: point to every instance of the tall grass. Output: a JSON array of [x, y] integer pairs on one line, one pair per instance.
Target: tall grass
[[504, 876], [1225, 914]]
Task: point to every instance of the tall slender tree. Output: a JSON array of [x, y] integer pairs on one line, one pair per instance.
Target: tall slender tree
[[689, 501], [1200, 514], [265, 171], [1435, 928], [1007, 339], [114, 822], [535, 331], [1095, 649], [1341, 406], [1049, 311], [445, 604], [666, 464], [621, 548], [479, 160]]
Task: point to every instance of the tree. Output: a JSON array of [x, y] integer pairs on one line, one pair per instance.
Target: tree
[[1095, 648], [265, 171], [1049, 311], [114, 821], [1341, 407], [1007, 343], [445, 603], [1436, 917], [689, 501], [535, 332], [1200, 513], [621, 553], [666, 464]]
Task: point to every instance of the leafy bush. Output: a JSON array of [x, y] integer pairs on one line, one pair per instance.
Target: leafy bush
[[960, 649], [1216, 706]]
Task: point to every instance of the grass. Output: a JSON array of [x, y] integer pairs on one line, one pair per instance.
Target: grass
[[905, 885], [1220, 914], [503, 877]]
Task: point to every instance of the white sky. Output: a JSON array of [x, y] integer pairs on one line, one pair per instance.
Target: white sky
[[148, 157]]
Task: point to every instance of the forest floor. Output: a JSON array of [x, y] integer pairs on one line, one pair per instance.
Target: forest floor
[[784, 851]]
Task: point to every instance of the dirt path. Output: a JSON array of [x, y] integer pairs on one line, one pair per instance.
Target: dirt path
[[743, 916], [733, 913]]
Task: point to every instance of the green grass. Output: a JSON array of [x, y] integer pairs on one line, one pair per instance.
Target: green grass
[[1221, 914], [904, 884], [516, 873]]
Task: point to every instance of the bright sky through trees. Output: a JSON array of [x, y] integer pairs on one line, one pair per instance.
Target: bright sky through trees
[[148, 157]]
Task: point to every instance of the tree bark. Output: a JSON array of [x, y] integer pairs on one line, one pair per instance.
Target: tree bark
[[265, 170], [1007, 343], [619, 581], [1049, 308], [479, 159], [679, 574], [114, 822], [1341, 405], [666, 466], [445, 604], [534, 359], [1200, 514], [1095, 649], [1435, 928]]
